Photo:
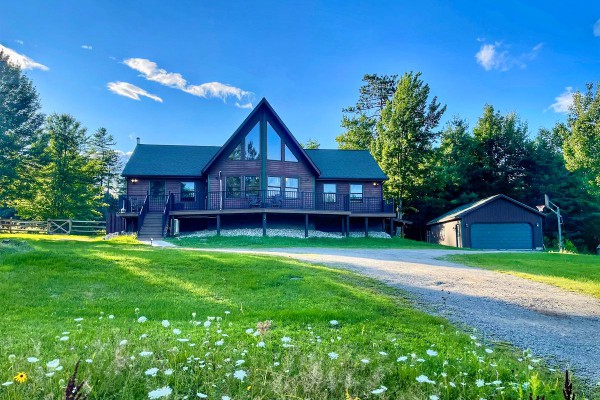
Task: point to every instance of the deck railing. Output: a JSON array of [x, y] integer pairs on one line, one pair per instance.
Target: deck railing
[[142, 214], [239, 200]]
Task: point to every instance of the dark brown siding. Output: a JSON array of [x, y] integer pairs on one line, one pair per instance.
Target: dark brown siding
[[503, 211], [141, 187], [343, 187]]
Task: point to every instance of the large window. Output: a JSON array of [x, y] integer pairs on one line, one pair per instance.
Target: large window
[[252, 146], [329, 190], [251, 185], [274, 184], [289, 156], [157, 188], [356, 192], [236, 154], [291, 188], [188, 191], [273, 144], [233, 186]]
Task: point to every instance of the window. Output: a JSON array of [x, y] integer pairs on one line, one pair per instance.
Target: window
[[252, 146], [329, 190], [233, 186], [273, 144], [188, 191], [251, 185], [274, 184], [356, 192], [236, 154], [157, 188], [289, 156], [291, 188]]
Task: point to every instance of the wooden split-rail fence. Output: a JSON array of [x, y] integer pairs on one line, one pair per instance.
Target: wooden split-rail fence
[[53, 227]]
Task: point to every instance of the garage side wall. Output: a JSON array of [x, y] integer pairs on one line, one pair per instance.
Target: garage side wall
[[503, 211], [445, 233]]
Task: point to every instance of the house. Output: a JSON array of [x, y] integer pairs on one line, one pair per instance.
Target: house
[[260, 177], [497, 222]]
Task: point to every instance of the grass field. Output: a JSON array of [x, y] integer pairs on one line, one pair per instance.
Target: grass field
[[576, 272], [163, 323], [273, 242]]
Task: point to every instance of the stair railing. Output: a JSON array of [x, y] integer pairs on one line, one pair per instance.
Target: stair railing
[[142, 214], [166, 212]]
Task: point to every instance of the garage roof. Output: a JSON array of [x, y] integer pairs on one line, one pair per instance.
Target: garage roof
[[463, 210]]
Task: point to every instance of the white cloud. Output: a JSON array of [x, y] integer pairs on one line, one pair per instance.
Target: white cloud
[[86, 46], [597, 28], [131, 91], [495, 56], [19, 41], [563, 101], [243, 105], [151, 72], [21, 60]]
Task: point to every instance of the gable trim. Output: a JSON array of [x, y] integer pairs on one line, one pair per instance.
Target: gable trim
[[263, 103]]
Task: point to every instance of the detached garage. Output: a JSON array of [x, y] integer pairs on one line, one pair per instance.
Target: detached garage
[[495, 223]]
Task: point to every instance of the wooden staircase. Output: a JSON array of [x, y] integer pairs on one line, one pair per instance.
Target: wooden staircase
[[152, 227]]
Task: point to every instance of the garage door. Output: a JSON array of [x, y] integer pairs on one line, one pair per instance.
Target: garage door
[[514, 236]]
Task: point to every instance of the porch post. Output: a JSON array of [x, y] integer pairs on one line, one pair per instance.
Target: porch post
[[305, 225], [218, 225], [264, 223], [347, 226], [366, 226], [343, 225]]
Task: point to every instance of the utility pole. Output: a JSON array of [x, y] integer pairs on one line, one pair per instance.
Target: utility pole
[[555, 210]]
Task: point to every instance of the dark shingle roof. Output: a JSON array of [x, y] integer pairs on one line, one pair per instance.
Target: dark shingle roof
[[168, 160], [346, 164], [467, 208]]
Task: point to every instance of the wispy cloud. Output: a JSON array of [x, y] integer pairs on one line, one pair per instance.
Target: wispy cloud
[[131, 91], [21, 60], [597, 28], [562, 102], [19, 41], [497, 56], [243, 105], [152, 72], [86, 47]]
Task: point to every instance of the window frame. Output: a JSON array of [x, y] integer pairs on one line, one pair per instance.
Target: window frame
[[281, 155], [329, 196], [286, 150], [356, 197], [253, 192], [272, 188], [293, 193], [230, 194], [186, 194]]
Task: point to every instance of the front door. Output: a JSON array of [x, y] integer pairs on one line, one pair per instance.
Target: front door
[[157, 196]]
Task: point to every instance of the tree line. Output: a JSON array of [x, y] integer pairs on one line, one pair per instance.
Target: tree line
[[432, 170], [50, 166]]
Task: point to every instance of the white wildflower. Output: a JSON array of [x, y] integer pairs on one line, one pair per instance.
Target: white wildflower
[[489, 351], [146, 353], [64, 338], [202, 395], [50, 374], [379, 390], [207, 324], [168, 372], [177, 331], [151, 371], [142, 319], [249, 331], [219, 342], [431, 353], [424, 379], [88, 360], [123, 342], [286, 339], [479, 382], [32, 359], [53, 364], [239, 362], [7, 383], [402, 359], [365, 361], [383, 353], [164, 391], [111, 316], [166, 323], [333, 355], [333, 322], [240, 374], [433, 397], [78, 319], [260, 344]]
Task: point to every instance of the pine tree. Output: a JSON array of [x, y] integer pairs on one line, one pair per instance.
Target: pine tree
[[404, 146], [20, 123]]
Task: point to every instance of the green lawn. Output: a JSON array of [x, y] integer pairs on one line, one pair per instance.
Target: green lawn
[[576, 272], [146, 321], [273, 242]]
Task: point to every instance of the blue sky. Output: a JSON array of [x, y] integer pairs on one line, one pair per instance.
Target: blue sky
[[196, 66]]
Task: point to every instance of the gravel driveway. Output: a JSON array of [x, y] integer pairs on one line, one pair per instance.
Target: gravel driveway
[[553, 322]]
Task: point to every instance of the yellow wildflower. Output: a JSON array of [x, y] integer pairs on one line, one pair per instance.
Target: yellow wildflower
[[21, 377]]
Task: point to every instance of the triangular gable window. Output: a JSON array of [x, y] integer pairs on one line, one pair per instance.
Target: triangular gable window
[[289, 156], [252, 144], [249, 147], [273, 144]]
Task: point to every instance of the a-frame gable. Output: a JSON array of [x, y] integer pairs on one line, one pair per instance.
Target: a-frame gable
[[262, 108]]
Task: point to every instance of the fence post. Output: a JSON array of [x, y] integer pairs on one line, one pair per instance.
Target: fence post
[[70, 227], [10, 225]]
